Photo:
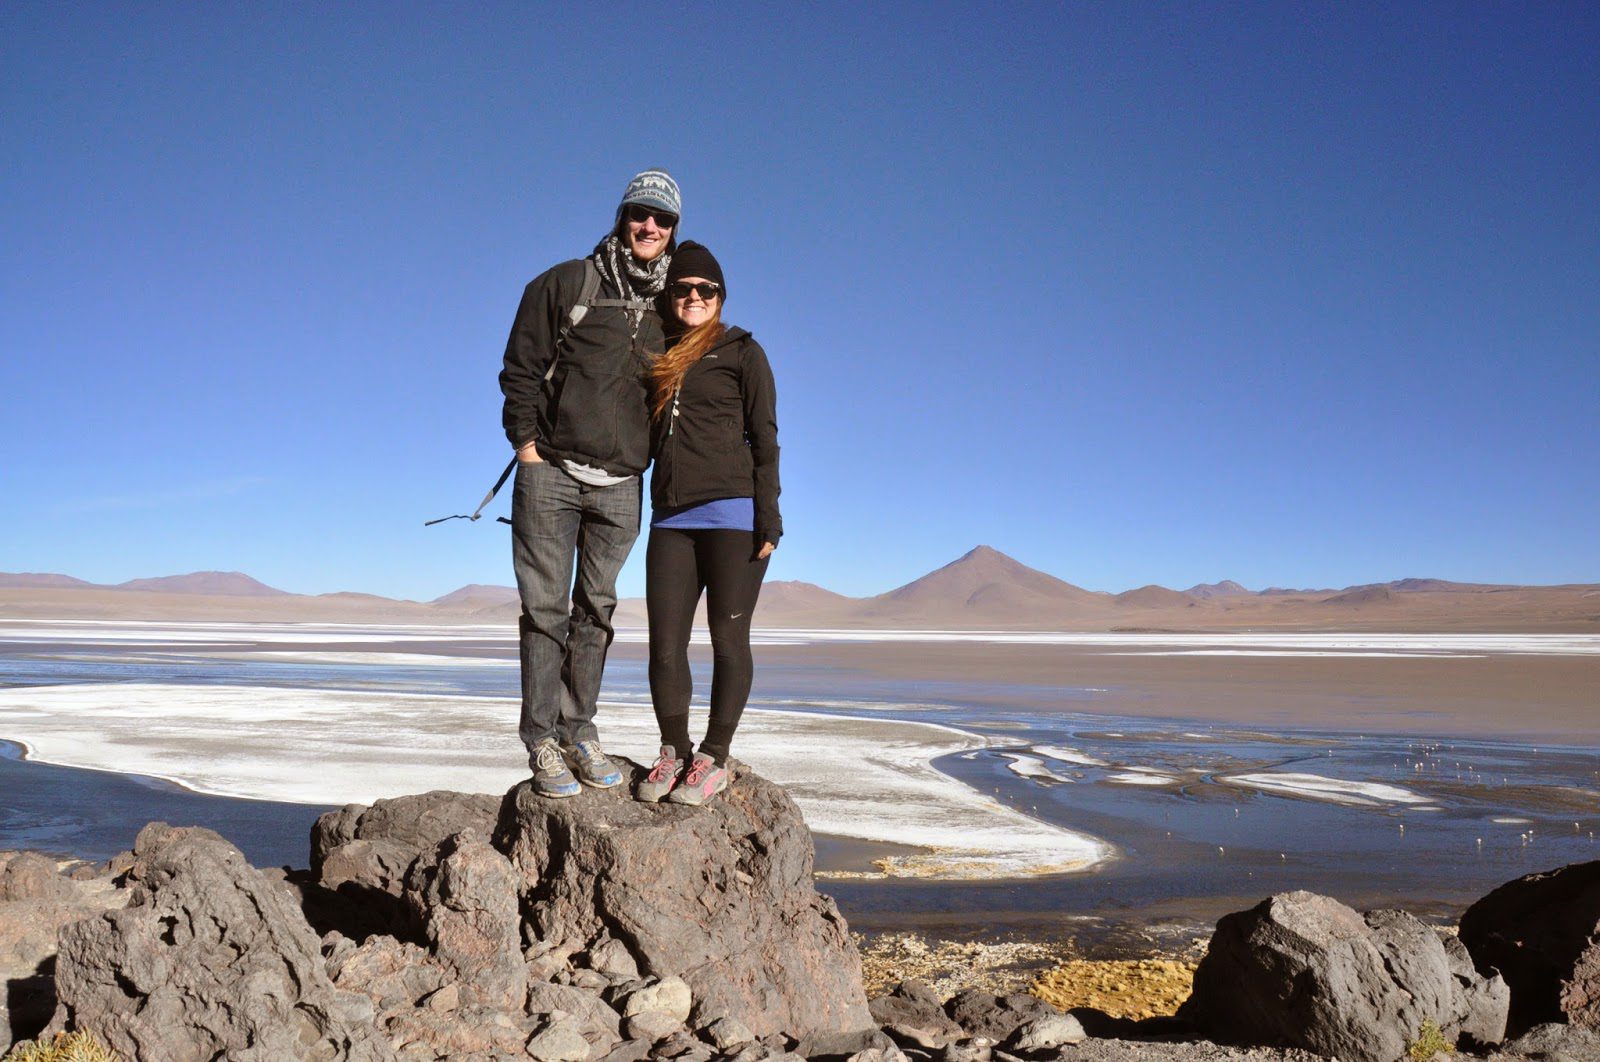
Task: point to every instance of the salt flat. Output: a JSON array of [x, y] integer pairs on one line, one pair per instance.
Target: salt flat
[[867, 779], [1255, 643]]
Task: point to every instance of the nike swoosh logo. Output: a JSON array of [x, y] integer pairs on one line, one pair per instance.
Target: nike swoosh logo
[[736, 615]]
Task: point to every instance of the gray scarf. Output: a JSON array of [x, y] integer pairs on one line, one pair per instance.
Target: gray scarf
[[631, 278]]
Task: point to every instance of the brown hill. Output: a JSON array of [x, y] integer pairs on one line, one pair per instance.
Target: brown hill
[[38, 580], [1153, 596], [477, 596], [211, 584], [982, 587], [1226, 588]]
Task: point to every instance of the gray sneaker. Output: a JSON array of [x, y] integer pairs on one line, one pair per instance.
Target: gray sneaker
[[702, 781], [662, 777], [550, 775], [592, 766]]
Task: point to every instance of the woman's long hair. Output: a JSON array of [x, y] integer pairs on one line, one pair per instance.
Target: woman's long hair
[[670, 368]]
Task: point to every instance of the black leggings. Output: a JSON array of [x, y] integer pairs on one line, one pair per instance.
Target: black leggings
[[678, 566]]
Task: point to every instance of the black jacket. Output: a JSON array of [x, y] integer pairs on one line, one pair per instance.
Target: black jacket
[[595, 408], [723, 442]]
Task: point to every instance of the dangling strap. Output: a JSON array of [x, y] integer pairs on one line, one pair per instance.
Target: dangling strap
[[487, 498]]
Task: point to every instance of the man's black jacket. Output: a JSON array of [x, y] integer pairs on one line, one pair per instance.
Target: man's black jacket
[[594, 408]]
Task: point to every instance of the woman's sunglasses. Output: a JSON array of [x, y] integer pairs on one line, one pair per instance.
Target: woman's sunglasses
[[638, 213], [705, 289]]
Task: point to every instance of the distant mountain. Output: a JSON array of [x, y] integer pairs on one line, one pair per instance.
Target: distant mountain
[[214, 584], [795, 592], [477, 595], [1440, 586], [1366, 595], [1153, 596], [982, 586], [40, 580], [983, 589], [1226, 588]]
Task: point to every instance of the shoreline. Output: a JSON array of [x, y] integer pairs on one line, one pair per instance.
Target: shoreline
[[837, 856]]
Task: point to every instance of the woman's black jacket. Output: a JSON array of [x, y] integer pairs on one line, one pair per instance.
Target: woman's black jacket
[[719, 439]]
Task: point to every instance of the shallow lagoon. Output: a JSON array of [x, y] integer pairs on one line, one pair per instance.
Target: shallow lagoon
[[1200, 817]]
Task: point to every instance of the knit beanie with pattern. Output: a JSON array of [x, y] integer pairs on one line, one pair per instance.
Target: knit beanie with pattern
[[655, 189]]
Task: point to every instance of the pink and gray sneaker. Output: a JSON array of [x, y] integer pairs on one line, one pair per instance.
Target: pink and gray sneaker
[[662, 777], [703, 780]]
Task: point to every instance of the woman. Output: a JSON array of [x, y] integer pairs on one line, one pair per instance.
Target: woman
[[715, 521]]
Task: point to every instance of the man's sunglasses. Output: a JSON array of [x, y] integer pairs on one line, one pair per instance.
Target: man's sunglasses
[[705, 289], [639, 213]]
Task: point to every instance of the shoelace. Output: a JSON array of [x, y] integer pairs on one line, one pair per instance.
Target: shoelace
[[698, 771], [591, 752], [549, 758], [663, 768]]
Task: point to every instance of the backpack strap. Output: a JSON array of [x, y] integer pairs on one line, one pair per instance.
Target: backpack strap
[[580, 309], [586, 299]]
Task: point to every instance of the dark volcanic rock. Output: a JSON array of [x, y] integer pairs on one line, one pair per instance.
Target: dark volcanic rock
[[396, 832], [1542, 934], [1553, 1043], [1305, 970], [720, 895], [40, 902], [208, 959], [984, 1014], [913, 1015], [464, 895], [31, 876]]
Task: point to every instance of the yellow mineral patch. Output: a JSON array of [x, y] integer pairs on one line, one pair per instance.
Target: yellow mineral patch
[[1137, 989]]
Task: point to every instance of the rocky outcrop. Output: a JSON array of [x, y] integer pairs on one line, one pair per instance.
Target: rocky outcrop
[[1542, 934], [209, 959], [598, 929], [456, 925], [720, 896], [396, 832], [915, 1017], [1305, 970], [463, 894], [36, 900]]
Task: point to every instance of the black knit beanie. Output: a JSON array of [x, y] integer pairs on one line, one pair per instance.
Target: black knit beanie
[[693, 260]]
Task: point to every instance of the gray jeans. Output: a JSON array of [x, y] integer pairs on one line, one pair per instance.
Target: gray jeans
[[566, 625]]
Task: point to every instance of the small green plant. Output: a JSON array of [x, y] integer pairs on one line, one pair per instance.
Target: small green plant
[[1430, 1041], [66, 1047]]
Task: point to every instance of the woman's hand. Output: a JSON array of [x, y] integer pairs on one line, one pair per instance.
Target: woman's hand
[[528, 454], [766, 550]]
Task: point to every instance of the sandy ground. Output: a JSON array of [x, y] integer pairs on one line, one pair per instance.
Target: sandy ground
[[1538, 697]]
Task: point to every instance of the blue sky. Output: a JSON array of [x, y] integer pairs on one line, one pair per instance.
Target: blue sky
[[1294, 294]]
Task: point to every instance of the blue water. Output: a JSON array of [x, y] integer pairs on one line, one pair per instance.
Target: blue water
[[1187, 852]]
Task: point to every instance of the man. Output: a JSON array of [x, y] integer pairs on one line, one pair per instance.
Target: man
[[576, 388]]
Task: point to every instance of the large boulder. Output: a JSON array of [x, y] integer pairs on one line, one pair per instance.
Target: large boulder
[[373, 847], [31, 876], [720, 895], [1542, 934], [209, 959], [1305, 970], [35, 902]]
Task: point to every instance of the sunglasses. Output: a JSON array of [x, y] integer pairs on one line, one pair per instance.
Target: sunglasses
[[705, 289], [639, 213]]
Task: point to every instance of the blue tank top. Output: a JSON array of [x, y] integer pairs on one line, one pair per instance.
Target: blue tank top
[[723, 514]]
